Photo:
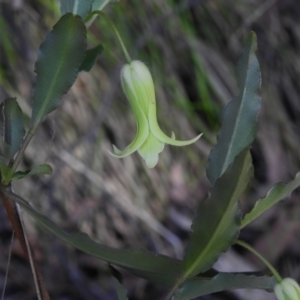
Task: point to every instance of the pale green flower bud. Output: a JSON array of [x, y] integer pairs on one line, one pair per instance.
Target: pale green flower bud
[[287, 289], [149, 141]]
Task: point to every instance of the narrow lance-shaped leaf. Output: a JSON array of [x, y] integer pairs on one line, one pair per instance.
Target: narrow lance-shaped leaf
[[39, 170], [77, 7], [59, 59], [224, 281], [278, 192], [157, 268], [216, 224], [12, 124], [239, 116]]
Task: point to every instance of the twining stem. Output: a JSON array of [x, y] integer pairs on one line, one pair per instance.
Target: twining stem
[[111, 24], [270, 267]]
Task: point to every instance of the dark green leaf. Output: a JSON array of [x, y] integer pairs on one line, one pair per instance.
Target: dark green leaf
[[5, 149], [278, 192], [59, 59], [12, 124], [77, 7], [157, 268], [39, 170], [90, 58], [224, 281], [118, 282], [4, 169], [216, 224], [239, 116]]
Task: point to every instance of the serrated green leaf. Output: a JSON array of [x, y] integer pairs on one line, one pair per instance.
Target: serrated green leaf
[[239, 116], [216, 224], [224, 281], [76, 7], [39, 170], [12, 125], [154, 267], [59, 59], [90, 58], [278, 192]]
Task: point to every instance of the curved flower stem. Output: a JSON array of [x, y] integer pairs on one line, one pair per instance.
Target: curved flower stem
[[270, 267], [110, 22]]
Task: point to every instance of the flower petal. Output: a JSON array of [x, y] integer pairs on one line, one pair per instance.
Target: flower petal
[[157, 132], [150, 149], [128, 86], [143, 84], [291, 288], [279, 293], [140, 138]]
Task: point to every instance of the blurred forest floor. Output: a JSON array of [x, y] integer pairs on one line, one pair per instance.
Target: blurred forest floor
[[191, 48]]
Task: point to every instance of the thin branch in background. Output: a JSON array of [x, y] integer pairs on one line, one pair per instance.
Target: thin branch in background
[[7, 266]]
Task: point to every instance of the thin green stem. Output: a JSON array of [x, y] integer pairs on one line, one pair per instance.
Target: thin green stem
[[270, 267], [29, 135], [110, 22]]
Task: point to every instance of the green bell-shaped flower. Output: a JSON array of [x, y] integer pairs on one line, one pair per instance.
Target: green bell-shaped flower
[[138, 86], [287, 289]]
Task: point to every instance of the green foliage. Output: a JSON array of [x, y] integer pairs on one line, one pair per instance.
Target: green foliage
[[239, 116], [216, 224], [39, 170], [278, 192], [90, 58], [5, 170], [224, 281], [60, 56], [12, 127]]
